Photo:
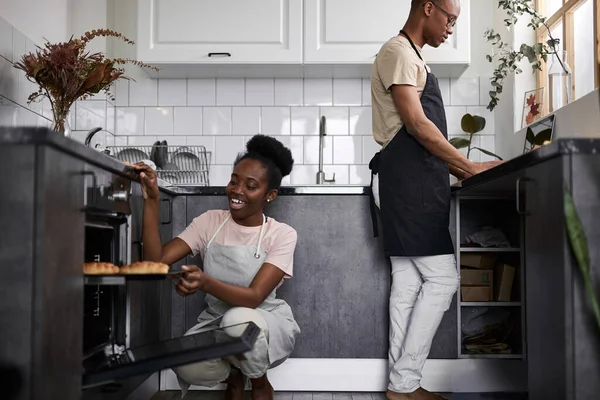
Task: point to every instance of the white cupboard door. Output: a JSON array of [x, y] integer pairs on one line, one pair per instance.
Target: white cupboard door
[[353, 31], [220, 31]]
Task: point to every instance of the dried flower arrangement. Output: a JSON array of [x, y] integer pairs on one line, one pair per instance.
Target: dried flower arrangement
[[66, 72]]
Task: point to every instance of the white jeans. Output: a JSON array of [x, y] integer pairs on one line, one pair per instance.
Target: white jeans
[[422, 290], [211, 372]]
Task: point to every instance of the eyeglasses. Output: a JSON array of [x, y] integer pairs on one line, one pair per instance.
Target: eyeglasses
[[451, 18]]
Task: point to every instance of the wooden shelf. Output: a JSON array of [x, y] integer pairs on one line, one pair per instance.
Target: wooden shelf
[[490, 303], [490, 249], [493, 356]]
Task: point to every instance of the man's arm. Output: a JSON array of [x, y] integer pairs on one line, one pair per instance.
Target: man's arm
[[408, 104], [458, 173]]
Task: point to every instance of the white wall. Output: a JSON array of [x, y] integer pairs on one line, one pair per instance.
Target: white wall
[[38, 19]]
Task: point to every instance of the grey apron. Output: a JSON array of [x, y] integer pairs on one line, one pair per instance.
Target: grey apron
[[237, 265], [414, 187]]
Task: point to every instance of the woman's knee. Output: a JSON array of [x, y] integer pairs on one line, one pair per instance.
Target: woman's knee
[[234, 320], [205, 373]]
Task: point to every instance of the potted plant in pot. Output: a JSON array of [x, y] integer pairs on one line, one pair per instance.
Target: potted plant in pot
[[66, 72], [471, 125]]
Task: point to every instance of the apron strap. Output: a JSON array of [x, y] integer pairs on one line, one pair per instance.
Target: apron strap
[[260, 236], [412, 44], [374, 167], [217, 231]]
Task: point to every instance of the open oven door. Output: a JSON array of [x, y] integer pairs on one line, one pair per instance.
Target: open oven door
[[107, 368]]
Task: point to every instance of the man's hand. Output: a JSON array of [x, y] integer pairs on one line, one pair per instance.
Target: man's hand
[[484, 166]]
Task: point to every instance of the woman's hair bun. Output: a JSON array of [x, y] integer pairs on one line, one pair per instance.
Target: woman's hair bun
[[273, 150]]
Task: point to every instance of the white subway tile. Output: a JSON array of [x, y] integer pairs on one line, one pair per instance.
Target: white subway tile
[[347, 150], [487, 143], [90, 114], [228, 148], [6, 39], [360, 175], [142, 141], [41, 122], [305, 120], [361, 121], [110, 139], [79, 136], [347, 92], [489, 119], [207, 141], [159, 121], [289, 92], [296, 146], [311, 150], [25, 117], [110, 119], [305, 175], [121, 92], [260, 92], [201, 92], [130, 121], [19, 49], [338, 120], [143, 92], [338, 172], [8, 116], [444, 84], [9, 80], [366, 92], [220, 175], [188, 121], [485, 87], [32, 87], [230, 92], [276, 121], [216, 121], [174, 140], [18, 45], [246, 120], [454, 115], [464, 92], [318, 92], [122, 140], [172, 92], [370, 147]]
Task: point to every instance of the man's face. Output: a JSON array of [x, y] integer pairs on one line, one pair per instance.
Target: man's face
[[441, 18]]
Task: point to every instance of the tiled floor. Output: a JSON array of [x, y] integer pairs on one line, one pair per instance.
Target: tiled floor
[[217, 395]]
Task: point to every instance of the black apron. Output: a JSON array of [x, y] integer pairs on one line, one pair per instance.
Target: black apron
[[414, 187]]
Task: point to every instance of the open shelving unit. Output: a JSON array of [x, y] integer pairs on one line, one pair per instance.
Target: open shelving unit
[[473, 213]]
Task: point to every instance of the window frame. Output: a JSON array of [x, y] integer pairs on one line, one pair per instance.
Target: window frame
[[566, 14]]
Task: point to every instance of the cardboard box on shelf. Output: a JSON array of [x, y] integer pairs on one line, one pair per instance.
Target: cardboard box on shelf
[[476, 293], [478, 260], [504, 277], [476, 277]]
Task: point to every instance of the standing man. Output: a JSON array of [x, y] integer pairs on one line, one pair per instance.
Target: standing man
[[411, 186]]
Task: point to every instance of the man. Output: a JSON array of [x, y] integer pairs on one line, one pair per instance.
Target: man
[[411, 186]]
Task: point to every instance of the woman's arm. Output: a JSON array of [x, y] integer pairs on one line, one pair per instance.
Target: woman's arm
[[265, 281]]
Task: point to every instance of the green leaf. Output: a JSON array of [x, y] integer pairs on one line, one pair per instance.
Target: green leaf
[[460, 143], [488, 57], [579, 248], [468, 123], [489, 153], [480, 123], [541, 137], [530, 136]]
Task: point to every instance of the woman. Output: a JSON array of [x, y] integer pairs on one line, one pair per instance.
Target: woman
[[245, 257]]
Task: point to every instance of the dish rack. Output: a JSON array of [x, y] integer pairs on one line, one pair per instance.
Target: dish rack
[[177, 165]]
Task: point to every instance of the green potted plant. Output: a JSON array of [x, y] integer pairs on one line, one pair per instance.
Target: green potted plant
[[471, 125], [507, 58], [66, 72]]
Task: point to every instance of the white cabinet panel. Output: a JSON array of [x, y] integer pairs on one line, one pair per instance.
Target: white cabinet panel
[[220, 31]]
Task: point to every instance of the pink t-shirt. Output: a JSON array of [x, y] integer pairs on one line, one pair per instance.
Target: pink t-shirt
[[279, 239]]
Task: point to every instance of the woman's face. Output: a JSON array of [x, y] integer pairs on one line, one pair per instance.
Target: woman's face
[[247, 190]]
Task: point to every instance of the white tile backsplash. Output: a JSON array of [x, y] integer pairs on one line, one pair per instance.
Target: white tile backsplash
[[159, 121], [347, 92], [318, 92], [172, 92], [231, 92], [201, 92], [187, 120], [246, 120], [222, 114], [260, 92], [276, 120], [143, 93]]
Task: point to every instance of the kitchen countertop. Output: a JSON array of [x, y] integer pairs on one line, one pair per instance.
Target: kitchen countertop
[[44, 136]]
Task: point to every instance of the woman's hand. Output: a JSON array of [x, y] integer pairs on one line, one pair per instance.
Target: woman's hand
[[191, 282], [148, 179]]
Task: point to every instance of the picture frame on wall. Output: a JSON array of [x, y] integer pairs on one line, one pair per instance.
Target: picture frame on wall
[[533, 105]]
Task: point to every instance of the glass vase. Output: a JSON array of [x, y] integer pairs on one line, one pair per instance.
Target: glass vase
[[560, 79], [61, 123]]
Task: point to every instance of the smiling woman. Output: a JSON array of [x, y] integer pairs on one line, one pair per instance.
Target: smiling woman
[[245, 257]]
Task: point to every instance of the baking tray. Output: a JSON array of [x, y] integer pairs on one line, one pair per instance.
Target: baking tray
[[122, 279]]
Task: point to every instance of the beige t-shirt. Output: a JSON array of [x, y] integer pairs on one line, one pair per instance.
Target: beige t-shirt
[[397, 63], [279, 239]]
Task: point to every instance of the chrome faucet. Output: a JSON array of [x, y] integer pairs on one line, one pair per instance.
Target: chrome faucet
[[322, 132]]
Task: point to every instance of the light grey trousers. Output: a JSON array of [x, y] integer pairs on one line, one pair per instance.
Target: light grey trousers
[[422, 291]]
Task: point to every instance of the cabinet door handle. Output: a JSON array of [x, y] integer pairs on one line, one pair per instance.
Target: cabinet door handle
[[170, 212], [518, 196], [94, 186], [219, 54]]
